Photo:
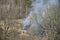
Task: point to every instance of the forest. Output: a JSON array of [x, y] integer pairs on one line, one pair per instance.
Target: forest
[[29, 20]]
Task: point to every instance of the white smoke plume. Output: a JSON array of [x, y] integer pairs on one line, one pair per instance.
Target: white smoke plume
[[40, 11]]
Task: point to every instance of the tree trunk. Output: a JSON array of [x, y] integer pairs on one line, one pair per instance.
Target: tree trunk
[[26, 11]]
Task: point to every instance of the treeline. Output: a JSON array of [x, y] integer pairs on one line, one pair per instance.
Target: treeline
[[14, 9]]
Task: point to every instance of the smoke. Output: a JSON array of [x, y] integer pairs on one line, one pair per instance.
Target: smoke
[[40, 12], [38, 7]]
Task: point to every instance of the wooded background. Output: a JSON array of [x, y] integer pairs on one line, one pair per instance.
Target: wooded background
[[12, 13]]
